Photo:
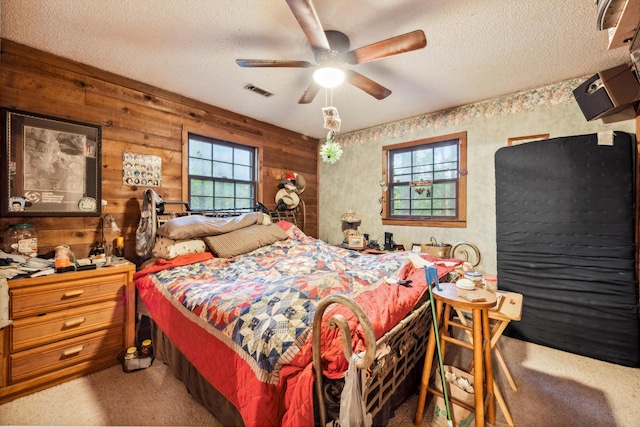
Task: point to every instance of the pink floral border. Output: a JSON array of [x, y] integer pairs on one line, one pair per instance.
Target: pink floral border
[[550, 95]]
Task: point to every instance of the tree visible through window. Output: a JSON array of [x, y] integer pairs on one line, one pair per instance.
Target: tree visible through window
[[221, 174], [426, 182]]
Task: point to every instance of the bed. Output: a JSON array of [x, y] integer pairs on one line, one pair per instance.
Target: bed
[[237, 323]]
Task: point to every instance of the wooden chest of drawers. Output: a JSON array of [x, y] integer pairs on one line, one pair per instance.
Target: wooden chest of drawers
[[65, 326]]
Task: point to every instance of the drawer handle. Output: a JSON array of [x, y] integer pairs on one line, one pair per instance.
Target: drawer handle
[[74, 322], [75, 293], [72, 351]]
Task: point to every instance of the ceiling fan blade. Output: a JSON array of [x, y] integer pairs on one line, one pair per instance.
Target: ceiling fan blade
[[272, 63], [393, 46], [367, 85], [310, 93], [308, 19]]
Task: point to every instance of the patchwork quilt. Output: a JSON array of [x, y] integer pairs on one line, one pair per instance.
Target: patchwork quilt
[[245, 322]]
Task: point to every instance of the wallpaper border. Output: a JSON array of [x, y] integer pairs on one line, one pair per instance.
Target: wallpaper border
[[549, 95]]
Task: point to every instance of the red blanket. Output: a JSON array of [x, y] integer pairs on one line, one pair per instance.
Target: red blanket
[[278, 390]]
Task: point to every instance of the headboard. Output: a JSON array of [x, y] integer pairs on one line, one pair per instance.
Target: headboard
[[154, 213]]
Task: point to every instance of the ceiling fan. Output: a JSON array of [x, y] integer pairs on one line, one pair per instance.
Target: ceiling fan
[[331, 51]]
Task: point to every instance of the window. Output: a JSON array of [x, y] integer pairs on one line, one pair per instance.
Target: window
[[425, 182], [222, 174]]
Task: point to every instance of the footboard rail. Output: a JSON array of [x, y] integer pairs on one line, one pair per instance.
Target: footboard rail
[[386, 362]]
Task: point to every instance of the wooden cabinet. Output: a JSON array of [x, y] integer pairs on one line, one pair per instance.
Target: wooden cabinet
[[64, 326]]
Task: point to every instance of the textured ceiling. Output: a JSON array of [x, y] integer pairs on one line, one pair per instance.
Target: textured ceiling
[[476, 50]]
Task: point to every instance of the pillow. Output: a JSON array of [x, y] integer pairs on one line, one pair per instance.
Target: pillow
[[244, 240], [190, 226], [169, 248]]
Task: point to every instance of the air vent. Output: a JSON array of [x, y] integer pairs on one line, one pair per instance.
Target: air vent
[[258, 90]]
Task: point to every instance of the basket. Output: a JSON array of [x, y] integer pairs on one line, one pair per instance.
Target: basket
[[439, 251]]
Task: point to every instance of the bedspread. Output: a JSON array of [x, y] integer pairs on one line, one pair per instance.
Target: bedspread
[[245, 322]]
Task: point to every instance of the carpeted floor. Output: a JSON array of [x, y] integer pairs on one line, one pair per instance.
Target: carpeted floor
[[555, 389]]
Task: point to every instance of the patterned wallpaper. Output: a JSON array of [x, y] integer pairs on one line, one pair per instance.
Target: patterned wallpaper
[[353, 182], [550, 95]]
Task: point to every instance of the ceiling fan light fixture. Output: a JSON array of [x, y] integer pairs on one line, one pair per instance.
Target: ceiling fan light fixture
[[328, 76]]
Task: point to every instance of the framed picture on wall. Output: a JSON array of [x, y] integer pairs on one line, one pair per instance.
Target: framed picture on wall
[[51, 165]]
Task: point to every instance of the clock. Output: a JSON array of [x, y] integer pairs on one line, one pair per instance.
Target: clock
[[87, 204]]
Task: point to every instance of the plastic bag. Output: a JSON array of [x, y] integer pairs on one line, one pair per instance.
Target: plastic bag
[[460, 388], [353, 409]]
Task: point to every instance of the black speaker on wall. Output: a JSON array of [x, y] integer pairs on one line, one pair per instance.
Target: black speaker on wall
[[608, 92]]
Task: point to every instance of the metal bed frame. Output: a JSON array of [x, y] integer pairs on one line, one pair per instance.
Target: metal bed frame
[[386, 363], [290, 215]]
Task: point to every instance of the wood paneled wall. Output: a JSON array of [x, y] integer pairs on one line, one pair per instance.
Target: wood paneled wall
[[143, 119]]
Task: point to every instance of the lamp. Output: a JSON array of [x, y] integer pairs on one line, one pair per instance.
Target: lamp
[[328, 76], [350, 217], [350, 221], [114, 226]]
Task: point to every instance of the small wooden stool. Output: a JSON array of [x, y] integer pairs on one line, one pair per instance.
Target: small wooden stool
[[508, 310], [450, 298]]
